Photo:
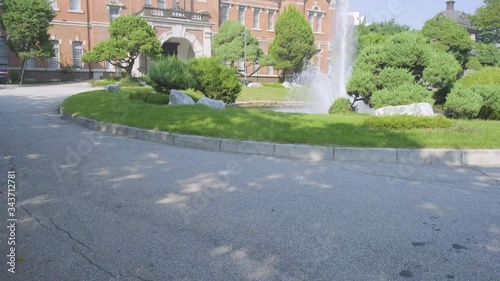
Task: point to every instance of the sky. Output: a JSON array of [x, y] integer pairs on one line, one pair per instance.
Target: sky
[[411, 12]]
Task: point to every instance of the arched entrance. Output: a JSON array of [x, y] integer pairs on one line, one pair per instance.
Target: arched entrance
[[182, 44], [179, 47]]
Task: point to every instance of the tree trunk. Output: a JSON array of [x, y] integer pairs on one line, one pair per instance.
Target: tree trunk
[[23, 66], [129, 69]]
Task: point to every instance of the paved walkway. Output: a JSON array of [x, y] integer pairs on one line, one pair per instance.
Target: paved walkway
[[92, 206]]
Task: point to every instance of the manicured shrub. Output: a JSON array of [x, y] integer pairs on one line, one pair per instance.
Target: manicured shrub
[[473, 63], [485, 76], [156, 99], [391, 77], [340, 106], [491, 101], [407, 122], [215, 80], [401, 95], [464, 102], [170, 73], [139, 95]]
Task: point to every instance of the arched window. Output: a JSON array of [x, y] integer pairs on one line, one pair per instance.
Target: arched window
[[54, 61]]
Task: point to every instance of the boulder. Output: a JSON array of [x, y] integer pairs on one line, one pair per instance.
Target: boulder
[[215, 104], [142, 83], [179, 98], [287, 85], [112, 88], [255, 84], [419, 109], [294, 84]]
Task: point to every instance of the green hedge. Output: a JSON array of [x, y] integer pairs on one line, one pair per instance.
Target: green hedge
[[406, 122], [340, 106], [149, 97], [485, 76], [401, 95]]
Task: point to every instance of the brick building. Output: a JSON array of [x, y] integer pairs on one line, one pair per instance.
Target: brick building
[[184, 28]]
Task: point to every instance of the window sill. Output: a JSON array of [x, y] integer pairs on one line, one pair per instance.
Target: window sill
[[257, 29], [318, 33], [56, 10], [269, 30], [76, 11]]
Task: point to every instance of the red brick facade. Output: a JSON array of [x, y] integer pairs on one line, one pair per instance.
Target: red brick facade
[[188, 24]]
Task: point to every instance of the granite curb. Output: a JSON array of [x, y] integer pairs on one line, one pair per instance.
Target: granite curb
[[458, 157]]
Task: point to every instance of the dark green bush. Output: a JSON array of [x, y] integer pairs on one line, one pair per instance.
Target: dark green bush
[[464, 102], [170, 73], [156, 99], [14, 76], [340, 106], [401, 95], [139, 95], [391, 77], [215, 80], [406, 122]]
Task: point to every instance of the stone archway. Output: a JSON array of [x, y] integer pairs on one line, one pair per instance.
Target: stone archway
[[178, 36]]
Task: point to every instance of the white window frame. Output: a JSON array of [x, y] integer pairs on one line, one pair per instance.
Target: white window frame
[[270, 19], [256, 18], [55, 62], [310, 19], [270, 70], [319, 23], [111, 16], [225, 11], [161, 4], [30, 63], [76, 48], [241, 14], [75, 5], [53, 4]]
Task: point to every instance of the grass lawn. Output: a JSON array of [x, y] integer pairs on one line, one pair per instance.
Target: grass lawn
[[266, 125], [250, 94]]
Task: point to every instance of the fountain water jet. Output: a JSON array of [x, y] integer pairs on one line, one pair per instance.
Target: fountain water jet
[[325, 88]]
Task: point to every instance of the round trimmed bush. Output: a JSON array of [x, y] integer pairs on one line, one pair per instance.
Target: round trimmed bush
[[401, 95], [170, 73], [216, 81], [485, 76], [139, 95], [464, 102], [340, 106]]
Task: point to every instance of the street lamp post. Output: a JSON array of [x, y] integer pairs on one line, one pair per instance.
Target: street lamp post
[[245, 59]]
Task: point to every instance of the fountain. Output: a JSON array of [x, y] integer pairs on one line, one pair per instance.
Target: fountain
[[324, 88]]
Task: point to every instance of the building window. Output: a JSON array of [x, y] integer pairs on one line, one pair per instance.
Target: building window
[[319, 22], [161, 4], [241, 14], [30, 63], [75, 5], [256, 18], [77, 54], [270, 70], [225, 12], [241, 65], [270, 20], [311, 19], [53, 4], [54, 61], [148, 2], [114, 12], [3, 52]]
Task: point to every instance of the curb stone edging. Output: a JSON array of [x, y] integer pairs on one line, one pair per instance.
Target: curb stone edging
[[458, 157]]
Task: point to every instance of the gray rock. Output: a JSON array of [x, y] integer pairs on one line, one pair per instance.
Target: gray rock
[[215, 104], [420, 109], [254, 84], [179, 98], [142, 83], [287, 85], [112, 88]]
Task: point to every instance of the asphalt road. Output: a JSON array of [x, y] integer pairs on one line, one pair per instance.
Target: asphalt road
[[98, 207]]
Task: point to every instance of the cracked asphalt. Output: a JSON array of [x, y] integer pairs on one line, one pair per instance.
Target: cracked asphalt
[[92, 206]]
